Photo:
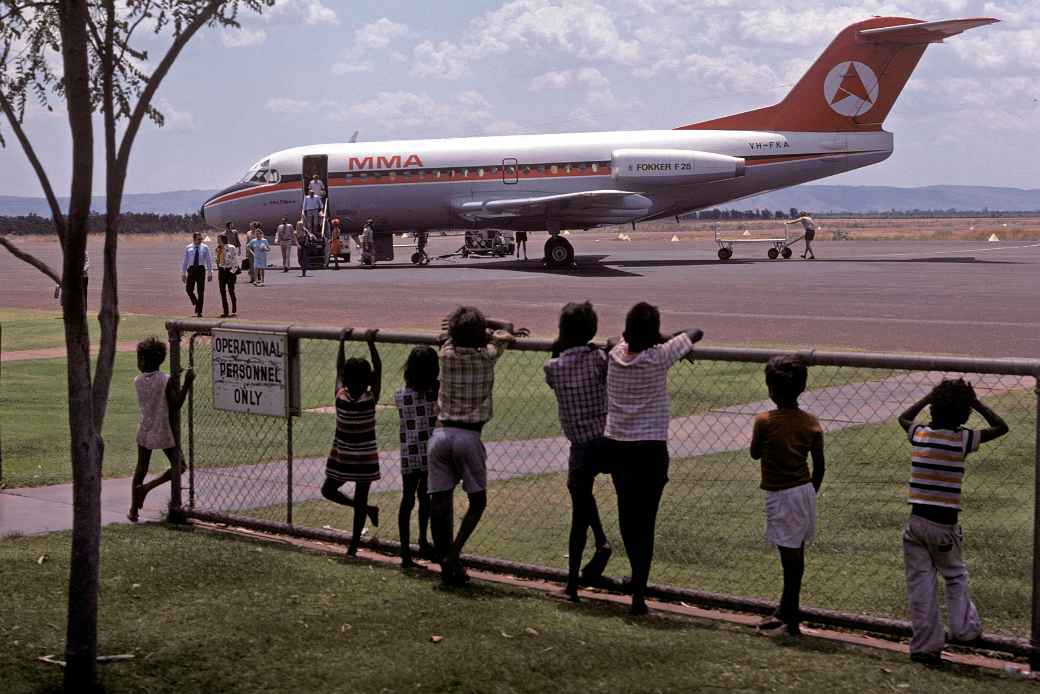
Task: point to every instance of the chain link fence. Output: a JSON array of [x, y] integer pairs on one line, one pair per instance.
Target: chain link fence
[[268, 471]]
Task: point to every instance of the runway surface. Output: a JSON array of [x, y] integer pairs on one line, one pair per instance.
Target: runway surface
[[957, 297]]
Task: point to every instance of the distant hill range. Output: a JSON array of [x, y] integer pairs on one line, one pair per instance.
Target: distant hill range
[[816, 198]]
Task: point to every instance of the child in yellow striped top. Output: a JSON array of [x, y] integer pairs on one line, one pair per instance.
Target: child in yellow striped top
[[932, 539]]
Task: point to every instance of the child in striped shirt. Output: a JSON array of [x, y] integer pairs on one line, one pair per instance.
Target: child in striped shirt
[[354, 456], [932, 538]]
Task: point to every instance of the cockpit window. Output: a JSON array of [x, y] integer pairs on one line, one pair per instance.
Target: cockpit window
[[258, 172]]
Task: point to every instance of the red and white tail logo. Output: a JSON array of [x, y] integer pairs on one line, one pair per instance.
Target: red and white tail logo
[[860, 74]]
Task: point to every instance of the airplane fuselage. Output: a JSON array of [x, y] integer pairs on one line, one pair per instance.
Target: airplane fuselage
[[414, 185]]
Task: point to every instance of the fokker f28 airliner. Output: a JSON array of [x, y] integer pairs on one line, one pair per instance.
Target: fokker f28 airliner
[[830, 122]]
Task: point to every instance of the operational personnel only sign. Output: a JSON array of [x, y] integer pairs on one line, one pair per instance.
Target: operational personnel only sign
[[250, 372]]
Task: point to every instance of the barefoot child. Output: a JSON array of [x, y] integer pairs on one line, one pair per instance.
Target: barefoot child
[[157, 398], [456, 453], [354, 456], [783, 439], [577, 374], [417, 406], [932, 538], [637, 432]]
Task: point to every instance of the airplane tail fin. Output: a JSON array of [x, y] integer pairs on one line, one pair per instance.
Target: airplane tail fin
[[852, 86]]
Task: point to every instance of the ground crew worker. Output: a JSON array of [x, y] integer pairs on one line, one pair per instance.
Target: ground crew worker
[[810, 233], [368, 244]]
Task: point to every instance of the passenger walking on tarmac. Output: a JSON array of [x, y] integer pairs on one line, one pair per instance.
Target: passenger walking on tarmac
[[311, 212], [336, 244], [284, 235], [783, 439], [637, 432], [456, 453], [316, 186], [809, 226], [196, 270], [259, 247], [521, 240], [227, 274], [368, 245], [158, 397], [303, 249], [354, 456], [250, 261], [232, 237], [932, 539], [577, 374], [417, 407]]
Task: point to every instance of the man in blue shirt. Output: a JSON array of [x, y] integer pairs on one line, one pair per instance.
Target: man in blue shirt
[[196, 269]]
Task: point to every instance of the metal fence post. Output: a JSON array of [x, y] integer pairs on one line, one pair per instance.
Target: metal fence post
[[293, 347], [175, 513], [1034, 636]]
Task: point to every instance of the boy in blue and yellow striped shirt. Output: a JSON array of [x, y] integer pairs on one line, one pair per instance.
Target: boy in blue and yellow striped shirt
[[932, 538]]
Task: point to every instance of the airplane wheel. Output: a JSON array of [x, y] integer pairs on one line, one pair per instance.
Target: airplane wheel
[[559, 252], [725, 254], [773, 254], [416, 258], [786, 253]]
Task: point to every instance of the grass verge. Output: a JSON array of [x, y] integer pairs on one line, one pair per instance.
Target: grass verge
[[206, 613]]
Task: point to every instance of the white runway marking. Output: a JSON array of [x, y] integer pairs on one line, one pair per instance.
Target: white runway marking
[[961, 250], [857, 319]]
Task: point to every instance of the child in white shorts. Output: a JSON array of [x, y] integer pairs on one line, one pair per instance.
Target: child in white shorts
[[783, 439]]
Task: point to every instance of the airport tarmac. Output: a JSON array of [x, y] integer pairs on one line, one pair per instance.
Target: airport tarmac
[[949, 297]]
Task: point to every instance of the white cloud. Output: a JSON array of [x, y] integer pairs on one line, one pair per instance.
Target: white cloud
[[444, 60], [243, 38], [370, 39], [555, 79], [174, 119], [308, 11], [287, 105], [421, 114]]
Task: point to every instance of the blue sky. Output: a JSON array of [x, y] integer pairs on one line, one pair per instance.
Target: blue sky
[[315, 70]]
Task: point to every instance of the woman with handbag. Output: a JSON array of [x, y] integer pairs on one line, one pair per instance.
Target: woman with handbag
[[228, 267]]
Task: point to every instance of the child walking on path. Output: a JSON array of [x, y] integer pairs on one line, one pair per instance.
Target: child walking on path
[[783, 439], [577, 374], [417, 407], [932, 538], [157, 398], [354, 456], [456, 453], [637, 432]]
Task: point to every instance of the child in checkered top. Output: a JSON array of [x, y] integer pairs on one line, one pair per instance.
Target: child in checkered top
[[417, 406], [577, 374], [455, 452], [637, 432]]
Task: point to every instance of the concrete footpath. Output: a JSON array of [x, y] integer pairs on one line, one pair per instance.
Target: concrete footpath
[[33, 510]]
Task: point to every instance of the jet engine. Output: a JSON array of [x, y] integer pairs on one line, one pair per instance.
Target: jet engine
[[669, 167]]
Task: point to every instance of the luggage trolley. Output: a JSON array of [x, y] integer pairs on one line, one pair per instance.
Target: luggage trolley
[[778, 248]]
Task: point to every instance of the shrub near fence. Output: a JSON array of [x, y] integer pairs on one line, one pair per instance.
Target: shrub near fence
[[267, 472]]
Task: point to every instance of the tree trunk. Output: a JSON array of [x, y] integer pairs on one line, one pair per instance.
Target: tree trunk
[[85, 444]]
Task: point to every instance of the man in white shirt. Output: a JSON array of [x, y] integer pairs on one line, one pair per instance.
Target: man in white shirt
[[311, 210], [196, 270], [316, 186], [284, 237]]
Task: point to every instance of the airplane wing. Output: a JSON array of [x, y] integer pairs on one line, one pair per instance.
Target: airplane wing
[[592, 207]]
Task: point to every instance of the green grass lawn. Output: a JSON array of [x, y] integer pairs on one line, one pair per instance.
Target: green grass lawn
[[209, 613], [35, 416], [25, 329]]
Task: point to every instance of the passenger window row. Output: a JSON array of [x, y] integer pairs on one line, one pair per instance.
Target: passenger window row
[[481, 173]]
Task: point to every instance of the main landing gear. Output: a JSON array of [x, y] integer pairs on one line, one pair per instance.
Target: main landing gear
[[558, 251]]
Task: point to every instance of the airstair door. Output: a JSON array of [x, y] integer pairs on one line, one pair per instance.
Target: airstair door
[[510, 170], [316, 165]]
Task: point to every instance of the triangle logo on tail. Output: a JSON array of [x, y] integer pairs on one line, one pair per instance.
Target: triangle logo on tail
[[851, 88]]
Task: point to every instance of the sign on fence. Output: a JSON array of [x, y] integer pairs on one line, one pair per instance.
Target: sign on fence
[[250, 372]]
